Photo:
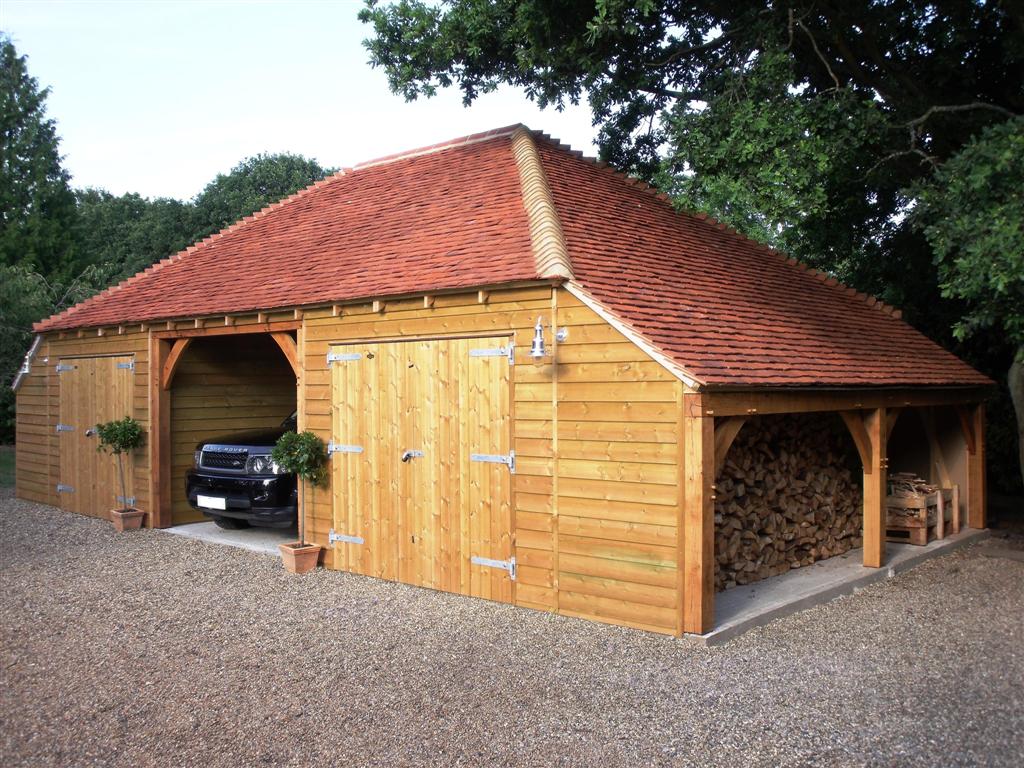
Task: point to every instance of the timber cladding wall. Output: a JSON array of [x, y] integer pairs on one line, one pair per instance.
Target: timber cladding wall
[[224, 385], [594, 495], [39, 407]]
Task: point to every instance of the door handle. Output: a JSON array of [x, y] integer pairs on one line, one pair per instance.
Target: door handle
[[410, 454], [90, 432]]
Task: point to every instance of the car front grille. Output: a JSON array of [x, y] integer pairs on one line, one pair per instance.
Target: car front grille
[[232, 460]]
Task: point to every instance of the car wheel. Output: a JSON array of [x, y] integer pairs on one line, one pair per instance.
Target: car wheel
[[230, 523]]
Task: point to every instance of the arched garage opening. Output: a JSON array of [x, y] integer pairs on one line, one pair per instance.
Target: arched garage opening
[[224, 385]]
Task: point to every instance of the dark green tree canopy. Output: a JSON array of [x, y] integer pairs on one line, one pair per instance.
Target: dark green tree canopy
[[36, 203], [254, 183], [128, 233]]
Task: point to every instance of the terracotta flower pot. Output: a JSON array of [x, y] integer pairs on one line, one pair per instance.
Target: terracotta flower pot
[[127, 519], [298, 558]]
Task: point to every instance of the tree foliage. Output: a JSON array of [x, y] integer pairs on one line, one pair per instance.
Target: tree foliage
[[36, 203], [972, 213], [124, 234], [254, 183]]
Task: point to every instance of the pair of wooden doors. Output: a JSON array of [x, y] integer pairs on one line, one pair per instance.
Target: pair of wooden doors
[[93, 390], [422, 463]]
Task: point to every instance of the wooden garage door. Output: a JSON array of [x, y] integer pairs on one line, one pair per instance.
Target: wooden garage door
[[419, 490], [93, 390]]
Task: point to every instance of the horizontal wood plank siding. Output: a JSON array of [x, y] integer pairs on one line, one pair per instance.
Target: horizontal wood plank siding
[[617, 466]]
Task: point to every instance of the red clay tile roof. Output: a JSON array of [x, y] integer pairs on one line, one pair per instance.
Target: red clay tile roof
[[728, 311], [424, 221]]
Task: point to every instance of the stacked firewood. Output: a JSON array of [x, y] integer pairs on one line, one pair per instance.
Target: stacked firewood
[[907, 491], [786, 497]]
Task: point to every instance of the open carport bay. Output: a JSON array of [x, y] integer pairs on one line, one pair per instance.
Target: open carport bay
[[224, 385], [150, 649]]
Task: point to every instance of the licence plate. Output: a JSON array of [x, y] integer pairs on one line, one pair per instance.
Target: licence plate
[[211, 502]]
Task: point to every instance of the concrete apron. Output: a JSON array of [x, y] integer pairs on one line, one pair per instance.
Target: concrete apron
[[263, 540], [742, 608]]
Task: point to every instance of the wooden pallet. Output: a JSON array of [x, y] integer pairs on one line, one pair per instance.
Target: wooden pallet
[[908, 517]]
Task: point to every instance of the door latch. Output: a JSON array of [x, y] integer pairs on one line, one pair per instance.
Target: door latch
[[406, 455]]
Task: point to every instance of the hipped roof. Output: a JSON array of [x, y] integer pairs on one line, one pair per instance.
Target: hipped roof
[[513, 206]]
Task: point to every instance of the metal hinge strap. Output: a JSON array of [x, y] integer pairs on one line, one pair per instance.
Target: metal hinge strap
[[129, 502], [509, 352], [497, 458], [126, 366], [506, 565], [65, 428], [338, 357], [61, 367], [332, 537], [336, 448], [64, 488]]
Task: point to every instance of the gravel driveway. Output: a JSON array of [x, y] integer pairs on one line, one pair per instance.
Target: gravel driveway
[[149, 649]]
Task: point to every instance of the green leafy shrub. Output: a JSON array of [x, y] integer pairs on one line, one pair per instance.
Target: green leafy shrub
[[305, 455], [120, 437]]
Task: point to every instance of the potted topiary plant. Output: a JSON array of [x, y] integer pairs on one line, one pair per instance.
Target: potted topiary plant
[[304, 455], [121, 437]]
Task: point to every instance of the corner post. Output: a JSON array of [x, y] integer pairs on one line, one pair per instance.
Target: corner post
[[698, 518], [875, 488], [976, 501], [159, 435]]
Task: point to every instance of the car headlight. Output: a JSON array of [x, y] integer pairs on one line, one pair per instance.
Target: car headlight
[[261, 464], [199, 455]]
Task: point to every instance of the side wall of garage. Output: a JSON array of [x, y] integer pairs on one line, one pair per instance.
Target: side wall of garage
[[595, 497], [38, 410]]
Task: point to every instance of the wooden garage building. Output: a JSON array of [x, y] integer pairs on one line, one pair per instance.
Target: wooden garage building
[[395, 305]]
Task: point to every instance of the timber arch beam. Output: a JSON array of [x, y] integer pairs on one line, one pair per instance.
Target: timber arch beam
[[726, 430], [286, 343], [171, 363]]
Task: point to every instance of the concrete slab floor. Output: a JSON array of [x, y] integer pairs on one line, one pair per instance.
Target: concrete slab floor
[[263, 540], [740, 609]]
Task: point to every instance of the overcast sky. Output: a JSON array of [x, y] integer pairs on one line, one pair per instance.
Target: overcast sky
[[158, 97]]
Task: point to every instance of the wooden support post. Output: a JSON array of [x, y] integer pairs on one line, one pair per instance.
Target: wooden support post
[[956, 509], [159, 436], [875, 489], [976, 502], [697, 582]]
